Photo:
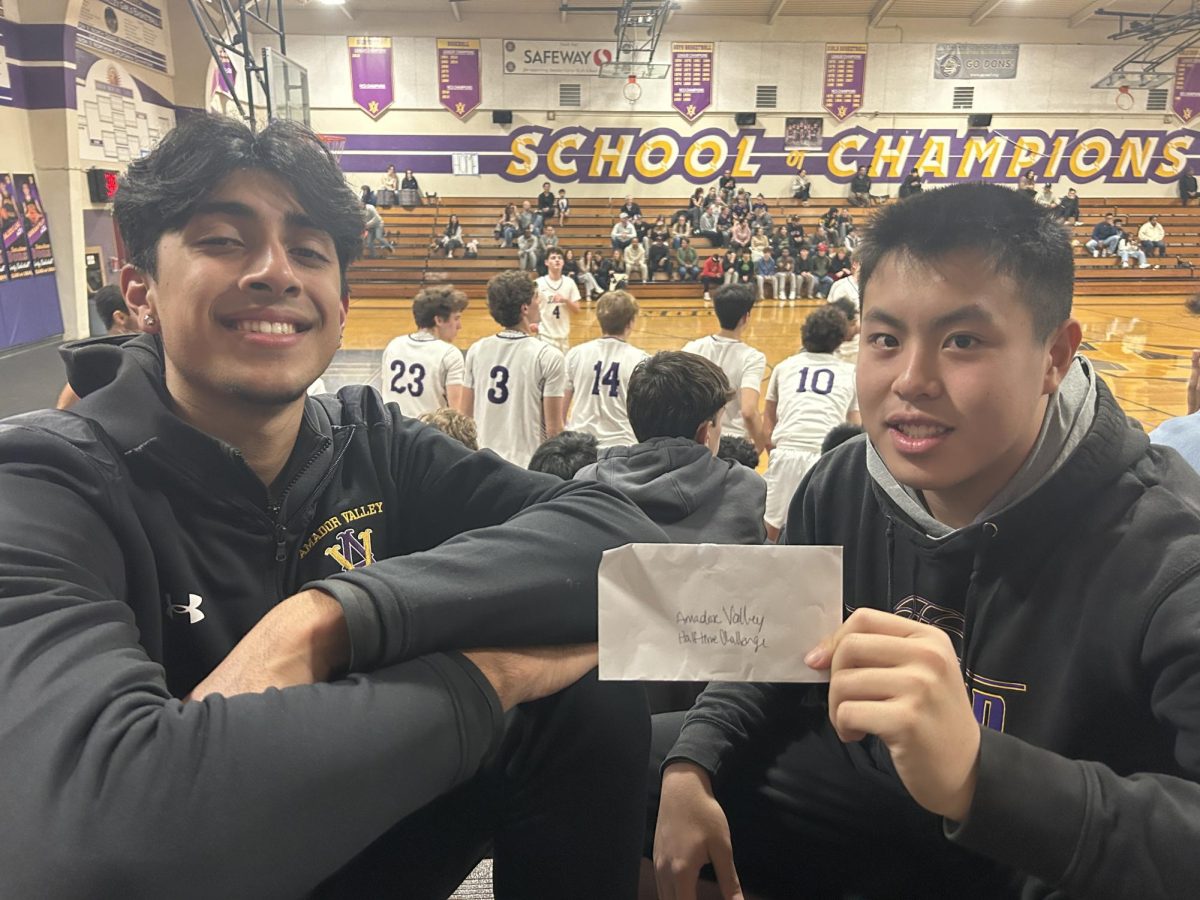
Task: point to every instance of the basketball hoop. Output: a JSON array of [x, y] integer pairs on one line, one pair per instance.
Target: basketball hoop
[[1124, 99], [334, 143]]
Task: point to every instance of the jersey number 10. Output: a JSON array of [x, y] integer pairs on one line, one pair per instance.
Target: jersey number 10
[[822, 381]]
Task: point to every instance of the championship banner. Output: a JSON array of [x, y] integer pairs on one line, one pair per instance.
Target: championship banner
[[459, 88], [371, 74], [691, 78], [1185, 100], [12, 231], [845, 79], [967, 62], [132, 30], [33, 220]]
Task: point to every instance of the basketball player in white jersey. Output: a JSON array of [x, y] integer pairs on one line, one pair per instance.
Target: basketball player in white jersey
[[743, 365], [558, 298], [598, 374], [808, 394], [514, 382], [423, 371]]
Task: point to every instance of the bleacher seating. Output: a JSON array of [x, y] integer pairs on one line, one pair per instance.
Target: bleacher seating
[[400, 274]]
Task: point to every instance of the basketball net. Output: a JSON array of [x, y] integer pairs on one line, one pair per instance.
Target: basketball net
[[1124, 99], [334, 143]]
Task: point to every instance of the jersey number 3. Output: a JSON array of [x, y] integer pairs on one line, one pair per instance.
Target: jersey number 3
[[416, 373], [498, 392], [611, 378]]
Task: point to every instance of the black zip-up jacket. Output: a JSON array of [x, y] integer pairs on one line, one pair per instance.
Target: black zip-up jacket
[[135, 551], [1076, 614]]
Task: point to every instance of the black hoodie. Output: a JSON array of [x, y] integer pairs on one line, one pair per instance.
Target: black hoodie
[[135, 551], [1076, 614]]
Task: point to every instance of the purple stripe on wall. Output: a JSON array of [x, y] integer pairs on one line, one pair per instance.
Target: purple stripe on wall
[[29, 311], [38, 43], [43, 88]]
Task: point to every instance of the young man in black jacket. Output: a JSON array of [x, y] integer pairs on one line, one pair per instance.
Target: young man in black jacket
[[236, 624], [1014, 698]]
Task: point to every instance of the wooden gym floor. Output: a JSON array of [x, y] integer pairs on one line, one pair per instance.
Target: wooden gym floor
[[1141, 346]]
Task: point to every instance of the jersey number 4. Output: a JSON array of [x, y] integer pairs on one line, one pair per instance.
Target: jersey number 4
[[416, 374], [611, 378], [498, 392]]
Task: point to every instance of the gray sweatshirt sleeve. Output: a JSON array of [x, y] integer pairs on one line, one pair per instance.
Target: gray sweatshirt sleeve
[[111, 787], [1080, 826], [503, 556]]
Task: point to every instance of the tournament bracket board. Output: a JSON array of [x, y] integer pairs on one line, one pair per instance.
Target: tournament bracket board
[[115, 123]]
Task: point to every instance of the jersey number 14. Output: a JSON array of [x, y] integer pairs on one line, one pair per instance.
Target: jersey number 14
[[611, 378]]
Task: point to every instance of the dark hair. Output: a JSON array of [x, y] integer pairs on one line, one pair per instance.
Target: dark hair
[[1192, 304], [731, 302], [433, 302], [739, 450], [615, 310], [824, 330], [838, 435], [847, 306], [160, 193], [1021, 240], [507, 292], [673, 393], [564, 454], [554, 251], [109, 300]]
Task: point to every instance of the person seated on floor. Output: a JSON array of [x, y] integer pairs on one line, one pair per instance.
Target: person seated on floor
[[1012, 698], [227, 610], [564, 454]]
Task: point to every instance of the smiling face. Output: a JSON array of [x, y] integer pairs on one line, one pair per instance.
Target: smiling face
[[952, 380], [246, 296]]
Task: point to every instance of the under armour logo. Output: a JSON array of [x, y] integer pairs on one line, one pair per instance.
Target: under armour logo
[[191, 609]]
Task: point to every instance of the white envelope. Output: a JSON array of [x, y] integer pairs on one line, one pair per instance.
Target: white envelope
[[714, 612]]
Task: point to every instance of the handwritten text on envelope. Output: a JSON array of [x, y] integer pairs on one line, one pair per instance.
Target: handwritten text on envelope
[[706, 612]]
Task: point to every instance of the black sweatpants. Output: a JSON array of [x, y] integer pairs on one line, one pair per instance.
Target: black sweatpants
[[560, 805], [815, 818]]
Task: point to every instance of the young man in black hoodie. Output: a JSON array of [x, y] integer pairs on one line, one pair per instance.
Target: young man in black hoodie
[[231, 615], [1014, 698]]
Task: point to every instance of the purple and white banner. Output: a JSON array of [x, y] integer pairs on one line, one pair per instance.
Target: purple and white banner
[[691, 78], [33, 220], [845, 79], [1185, 100], [371, 74], [132, 30], [459, 88], [12, 229]]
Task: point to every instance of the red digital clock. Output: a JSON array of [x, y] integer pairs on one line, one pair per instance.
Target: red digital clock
[[102, 184]]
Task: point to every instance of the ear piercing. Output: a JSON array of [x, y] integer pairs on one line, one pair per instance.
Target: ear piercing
[[148, 320]]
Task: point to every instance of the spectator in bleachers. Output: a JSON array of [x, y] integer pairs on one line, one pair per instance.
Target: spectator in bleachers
[[506, 227], [759, 242], [528, 245], [659, 228], [452, 237], [1127, 249], [728, 186], [571, 266], [564, 454], [527, 218], [1027, 184], [851, 240], [612, 272], [563, 206], [547, 205], [680, 229], [695, 208], [623, 233], [547, 242], [860, 188], [712, 274], [367, 196], [635, 261], [740, 207], [846, 287], [373, 223], [630, 207], [1187, 186], [1152, 235], [709, 228], [911, 184], [658, 258], [410, 189], [729, 265], [587, 279], [779, 240], [839, 264], [785, 277], [806, 280], [801, 187], [1104, 237], [796, 235], [687, 262], [725, 223], [1068, 208], [743, 269], [454, 424], [820, 271], [387, 194], [761, 211], [764, 274], [713, 198], [740, 235], [1046, 198]]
